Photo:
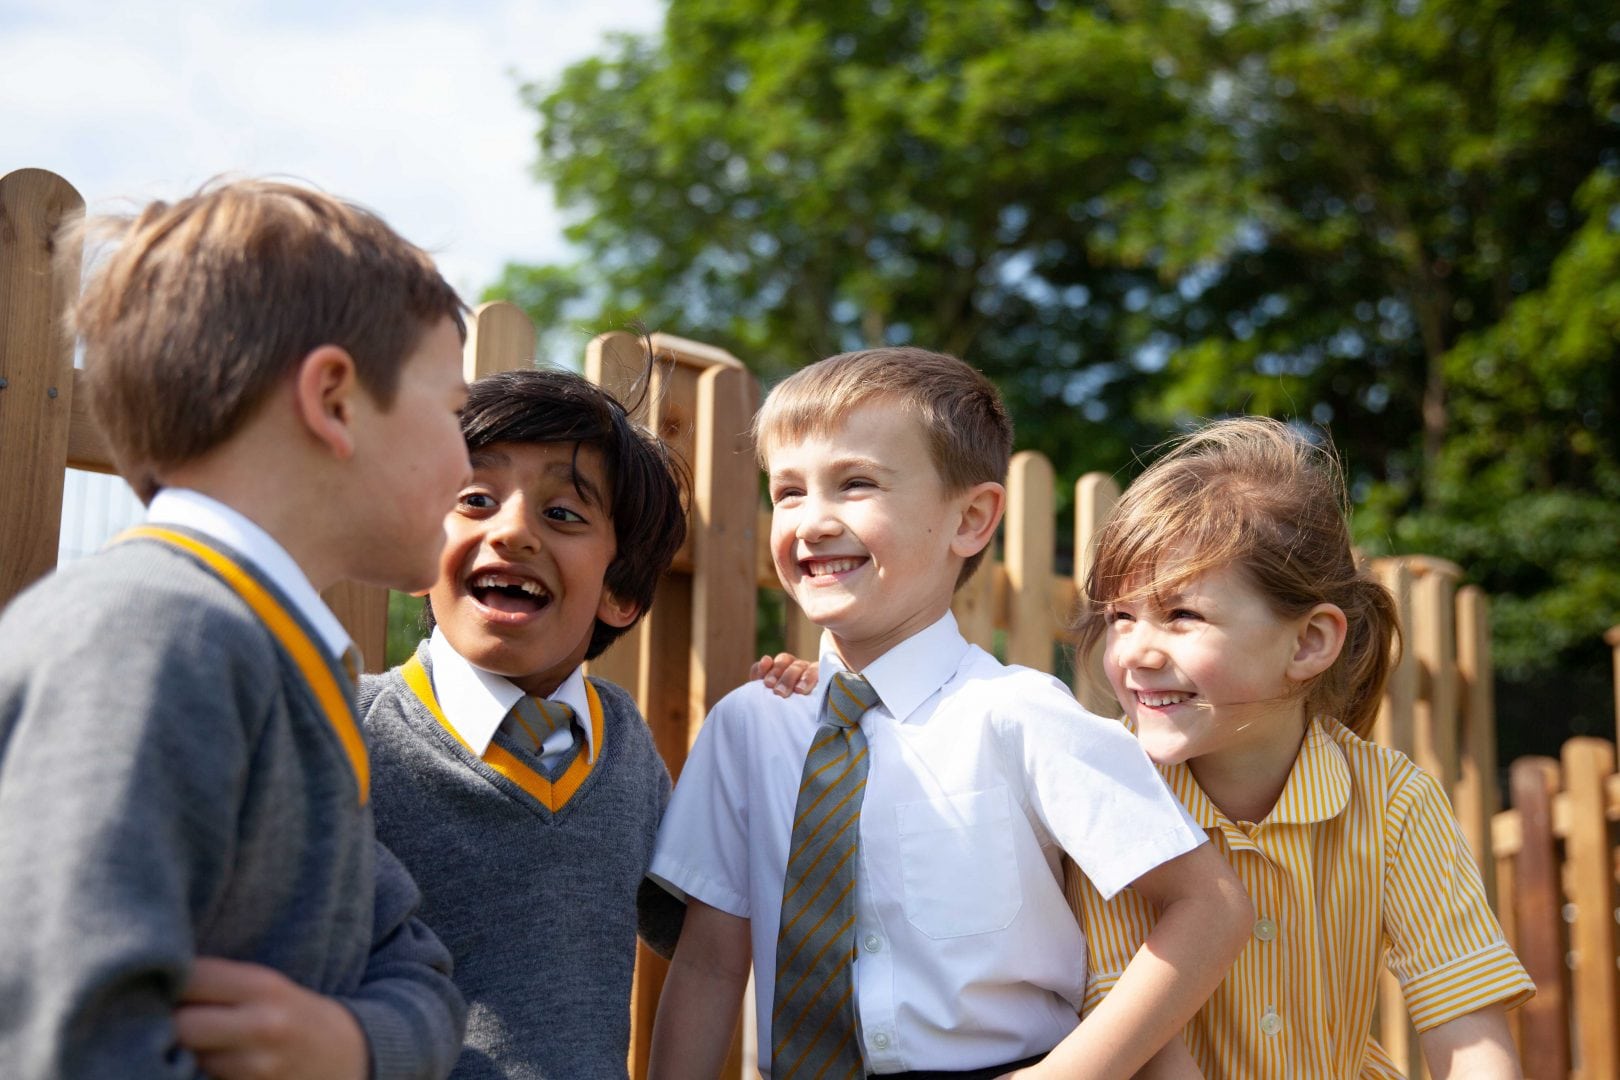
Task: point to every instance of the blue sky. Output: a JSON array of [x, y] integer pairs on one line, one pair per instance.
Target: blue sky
[[408, 107]]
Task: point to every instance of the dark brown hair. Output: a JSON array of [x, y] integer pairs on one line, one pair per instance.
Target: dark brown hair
[[967, 427], [203, 305], [646, 480], [1257, 494]]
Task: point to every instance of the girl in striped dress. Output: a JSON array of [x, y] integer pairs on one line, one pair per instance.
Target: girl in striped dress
[[1249, 654]]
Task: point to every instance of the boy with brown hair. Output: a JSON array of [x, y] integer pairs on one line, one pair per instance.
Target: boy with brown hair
[[885, 850], [181, 772]]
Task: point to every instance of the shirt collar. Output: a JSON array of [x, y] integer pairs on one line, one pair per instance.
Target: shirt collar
[[1317, 788], [475, 701], [200, 513], [908, 674]]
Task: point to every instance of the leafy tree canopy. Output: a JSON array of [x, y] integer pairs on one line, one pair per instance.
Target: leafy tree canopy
[[1395, 218]]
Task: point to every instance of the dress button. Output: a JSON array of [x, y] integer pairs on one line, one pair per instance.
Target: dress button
[[881, 1041], [1271, 1023], [873, 943], [1265, 929]]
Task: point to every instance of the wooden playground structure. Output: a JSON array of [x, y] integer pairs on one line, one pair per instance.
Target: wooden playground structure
[[1551, 862]]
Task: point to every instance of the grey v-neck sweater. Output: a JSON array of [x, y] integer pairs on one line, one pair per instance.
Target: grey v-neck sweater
[[539, 909], [171, 788]]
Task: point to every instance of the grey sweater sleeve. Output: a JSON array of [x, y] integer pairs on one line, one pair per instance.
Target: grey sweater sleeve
[[115, 826], [409, 1008]]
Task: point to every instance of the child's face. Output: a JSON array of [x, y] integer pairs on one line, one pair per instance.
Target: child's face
[[862, 530], [520, 580], [1207, 670], [414, 460]]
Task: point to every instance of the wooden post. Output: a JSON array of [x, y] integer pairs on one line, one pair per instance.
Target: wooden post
[[1475, 798], [1094, 497], [1612, 636], [1393, 728], [1539, 917], [36, 371], [1589, 870], [1030, 543], [500, 337], [1434, 641]]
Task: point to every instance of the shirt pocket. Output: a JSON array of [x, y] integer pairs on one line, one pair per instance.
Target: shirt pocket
[[958, 868]]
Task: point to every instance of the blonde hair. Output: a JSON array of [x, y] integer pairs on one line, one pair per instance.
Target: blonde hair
[[967, 428], [1253, 493], [203, 305]]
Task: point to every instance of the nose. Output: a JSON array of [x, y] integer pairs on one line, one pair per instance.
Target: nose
[[816, 520], [1135, 645], [511, 528]]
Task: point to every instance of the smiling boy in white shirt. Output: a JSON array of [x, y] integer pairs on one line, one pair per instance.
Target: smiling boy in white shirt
[[893, 874]]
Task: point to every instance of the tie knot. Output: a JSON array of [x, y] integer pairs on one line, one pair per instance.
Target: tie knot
[[848, 696]]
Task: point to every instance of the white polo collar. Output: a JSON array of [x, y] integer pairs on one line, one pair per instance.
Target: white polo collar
[[908, 674], [475, 701]]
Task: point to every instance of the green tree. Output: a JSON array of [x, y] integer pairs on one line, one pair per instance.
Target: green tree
[[1361, 213]]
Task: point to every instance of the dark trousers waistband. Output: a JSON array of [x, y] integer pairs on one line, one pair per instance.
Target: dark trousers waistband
[[987, 1073]]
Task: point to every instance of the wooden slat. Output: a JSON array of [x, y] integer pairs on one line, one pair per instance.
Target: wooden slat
[[86, 449], [1538, 911], [1094, 497], [724, 513], [1589, 869], [500, 337], [1028, 550], [1475, 797], [1612, 636], [1434, 721], [363, 611], [36, 371], [975, 606], [1393, 728]]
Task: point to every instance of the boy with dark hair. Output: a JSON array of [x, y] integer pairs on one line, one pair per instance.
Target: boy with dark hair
[[885, 850], [523, 796], [181, 769]]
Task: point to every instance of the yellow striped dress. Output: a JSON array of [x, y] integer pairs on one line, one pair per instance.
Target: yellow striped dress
[[1361, 862]]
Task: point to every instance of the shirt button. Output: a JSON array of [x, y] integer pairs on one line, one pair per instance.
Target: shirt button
[[1265, 929], [873, 943], [881, 1041], [1270, 1023]]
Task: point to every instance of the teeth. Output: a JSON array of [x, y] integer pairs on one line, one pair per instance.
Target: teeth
[[1160, 699], [831, 566], [498, 581]]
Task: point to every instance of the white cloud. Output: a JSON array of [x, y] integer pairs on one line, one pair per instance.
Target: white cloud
[[411, 109]]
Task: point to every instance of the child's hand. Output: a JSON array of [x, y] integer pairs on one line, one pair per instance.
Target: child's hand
[[248, 1022], [786, 674]]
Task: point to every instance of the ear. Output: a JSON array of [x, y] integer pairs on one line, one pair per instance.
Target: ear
[[1321, 639], [981, 509], [616, 612], [325, 389]]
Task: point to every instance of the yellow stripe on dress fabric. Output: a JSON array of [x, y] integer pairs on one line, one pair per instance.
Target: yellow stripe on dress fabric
[[311, 661], [553, 795]]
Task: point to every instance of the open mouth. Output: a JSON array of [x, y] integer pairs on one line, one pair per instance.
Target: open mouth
[[1163, 699], [508, 593], [829, 569]]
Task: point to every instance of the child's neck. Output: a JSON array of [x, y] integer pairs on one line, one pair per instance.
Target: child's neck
[[1245, 782]]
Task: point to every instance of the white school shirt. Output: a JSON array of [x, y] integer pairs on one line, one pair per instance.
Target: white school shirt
[[475, 701], [981, 776], [201, 513]]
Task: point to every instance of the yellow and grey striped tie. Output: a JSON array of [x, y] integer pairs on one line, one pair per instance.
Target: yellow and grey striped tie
[[813, 1022], [537, 719]]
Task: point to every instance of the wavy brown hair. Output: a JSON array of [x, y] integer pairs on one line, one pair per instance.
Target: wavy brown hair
[[1257, 494]]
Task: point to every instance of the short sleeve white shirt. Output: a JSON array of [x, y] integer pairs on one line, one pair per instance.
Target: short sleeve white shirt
[[981, 776]]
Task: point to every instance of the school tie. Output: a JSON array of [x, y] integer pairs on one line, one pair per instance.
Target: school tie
[[544, 730], [813, 1021]]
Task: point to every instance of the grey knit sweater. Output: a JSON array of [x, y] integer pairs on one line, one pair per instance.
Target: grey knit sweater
[[169, 788], [539, 909]]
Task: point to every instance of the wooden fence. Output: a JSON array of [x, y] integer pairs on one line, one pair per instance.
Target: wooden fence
[[1553, 855]]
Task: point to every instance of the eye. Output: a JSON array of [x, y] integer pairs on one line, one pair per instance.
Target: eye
[[785, 494], [564, 514], [1115, 615], [1185, 615], [855, 482], [476, 500]]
